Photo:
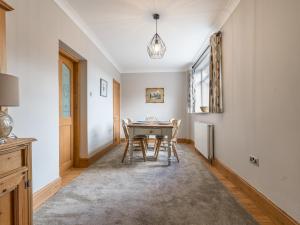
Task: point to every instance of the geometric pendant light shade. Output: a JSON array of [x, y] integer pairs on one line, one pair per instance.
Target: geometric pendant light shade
[[156, 48]]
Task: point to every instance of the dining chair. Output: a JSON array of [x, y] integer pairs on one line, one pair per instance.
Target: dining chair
[[171, 120], [163, 141], [139, 141], [156, 140]]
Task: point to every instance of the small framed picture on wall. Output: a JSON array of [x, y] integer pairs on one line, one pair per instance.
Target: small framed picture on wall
[[103, 88], [155, 95]]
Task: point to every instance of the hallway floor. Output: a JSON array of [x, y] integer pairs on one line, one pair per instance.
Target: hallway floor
[[144, 193]]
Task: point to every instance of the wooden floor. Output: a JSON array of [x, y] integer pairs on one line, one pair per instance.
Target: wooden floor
[[243, 199], [70, 175]]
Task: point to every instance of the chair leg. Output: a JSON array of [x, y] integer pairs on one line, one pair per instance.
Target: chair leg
[[157, 148], [175, 152], [142, 143], [125, 151], [154, 146], [146, 145]]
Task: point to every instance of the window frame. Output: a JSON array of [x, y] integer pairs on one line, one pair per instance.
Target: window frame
[[202, 64]]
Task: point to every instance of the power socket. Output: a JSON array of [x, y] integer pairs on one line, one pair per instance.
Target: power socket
[[254, 160]]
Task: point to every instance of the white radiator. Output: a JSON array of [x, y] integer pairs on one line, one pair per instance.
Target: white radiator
[[204, 139]]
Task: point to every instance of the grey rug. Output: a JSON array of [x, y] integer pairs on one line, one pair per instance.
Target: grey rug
[[110, 192]]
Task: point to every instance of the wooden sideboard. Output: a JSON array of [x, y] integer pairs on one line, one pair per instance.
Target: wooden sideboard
[[15, 182], [15, 160]]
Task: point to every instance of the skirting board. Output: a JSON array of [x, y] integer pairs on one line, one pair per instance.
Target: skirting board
[[45, 193], [49, 190], [277, 215], [185, 141], [86, 162]]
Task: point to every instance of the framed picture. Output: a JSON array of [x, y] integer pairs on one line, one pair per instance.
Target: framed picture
[[103, 88], [155, 95]]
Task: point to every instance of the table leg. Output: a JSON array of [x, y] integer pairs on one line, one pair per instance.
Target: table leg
[[130, 158], [169, 152]]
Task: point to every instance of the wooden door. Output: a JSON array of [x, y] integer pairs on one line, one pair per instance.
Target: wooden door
[[66, 75], [14, 201], [116, 111]]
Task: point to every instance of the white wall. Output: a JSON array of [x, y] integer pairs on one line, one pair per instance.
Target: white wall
[[33, 31], [133, 95], [261, 97]]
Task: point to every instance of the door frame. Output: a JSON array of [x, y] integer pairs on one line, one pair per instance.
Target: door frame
[[75, 107], [119, 138]]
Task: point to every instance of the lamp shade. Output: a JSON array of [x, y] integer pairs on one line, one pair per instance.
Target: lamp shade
[[9, 90]]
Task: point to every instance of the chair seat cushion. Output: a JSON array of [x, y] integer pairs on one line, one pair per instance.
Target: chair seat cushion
[[140, 137], [160, 137]]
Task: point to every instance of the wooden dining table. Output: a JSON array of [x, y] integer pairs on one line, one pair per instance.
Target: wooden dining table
[[150, 128]]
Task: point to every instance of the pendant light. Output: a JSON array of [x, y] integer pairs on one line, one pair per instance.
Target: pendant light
[[156, 48]]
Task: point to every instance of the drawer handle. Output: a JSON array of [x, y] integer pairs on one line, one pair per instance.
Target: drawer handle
[[151, 131], [4, 190]]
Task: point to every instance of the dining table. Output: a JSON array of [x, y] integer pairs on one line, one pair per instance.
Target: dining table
[[163, 128]]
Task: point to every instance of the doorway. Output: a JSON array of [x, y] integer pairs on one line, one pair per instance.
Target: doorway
[[66, 112], [116, 111]]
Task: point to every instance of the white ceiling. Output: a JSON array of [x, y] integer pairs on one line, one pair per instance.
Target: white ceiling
[[122, 29]]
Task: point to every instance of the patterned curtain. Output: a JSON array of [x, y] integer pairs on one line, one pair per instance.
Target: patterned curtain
[[215, 84], [190, 91]]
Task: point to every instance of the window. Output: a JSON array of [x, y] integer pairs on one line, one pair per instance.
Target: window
[[199, 84]]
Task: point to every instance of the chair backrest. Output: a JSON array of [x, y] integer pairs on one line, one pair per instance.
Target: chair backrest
[[125, 129], [176, 125], [172, 119]]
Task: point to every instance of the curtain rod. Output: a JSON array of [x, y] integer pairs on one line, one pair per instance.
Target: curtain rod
[[200, 57]]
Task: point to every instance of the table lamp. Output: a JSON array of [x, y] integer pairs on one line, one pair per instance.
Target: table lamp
[[9, 96]]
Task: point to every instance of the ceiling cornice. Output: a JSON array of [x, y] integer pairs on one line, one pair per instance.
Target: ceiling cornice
[[73, 15], [153, 71], [218, 24], [227, 12]]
